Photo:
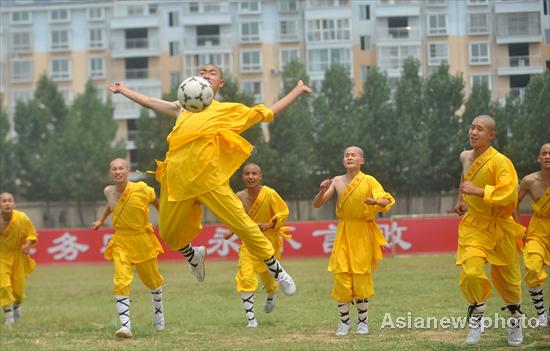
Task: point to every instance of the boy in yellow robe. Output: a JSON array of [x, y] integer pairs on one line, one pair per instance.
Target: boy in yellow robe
[[204, 150], [17, 236], [134, 244], [270, 212], [488, 232], [358, 244], [536, 255]]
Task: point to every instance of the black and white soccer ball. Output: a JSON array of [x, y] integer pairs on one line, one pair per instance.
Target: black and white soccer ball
[[195, 94]]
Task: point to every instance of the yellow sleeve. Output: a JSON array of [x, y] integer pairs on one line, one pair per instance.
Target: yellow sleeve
[[151, 195], [279, 207], [505, 191], [378, 193], [253, 115], [29, 230]]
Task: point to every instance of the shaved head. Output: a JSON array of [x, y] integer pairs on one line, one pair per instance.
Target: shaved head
[[487, 121], [252, 166], [357, 149], [210, 66], [120, 160], [544, 146], [7, 195]]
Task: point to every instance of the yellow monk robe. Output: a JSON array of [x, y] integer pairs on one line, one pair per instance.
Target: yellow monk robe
[[204, 150], [489, 232], [14, 264], [134, 240], [268, 207], [358, 244], [536, 254]]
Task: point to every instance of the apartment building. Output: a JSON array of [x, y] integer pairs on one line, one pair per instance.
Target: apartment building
[[153, 45]]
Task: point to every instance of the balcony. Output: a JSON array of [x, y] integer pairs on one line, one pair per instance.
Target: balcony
[[203, 43], [395, 8], [126, 109], [517, 6], [518, 28], [393, 35], [515, 65], [143, 21], [135, 47]]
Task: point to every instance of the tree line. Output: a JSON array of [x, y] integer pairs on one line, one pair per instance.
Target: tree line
[[412, 130]]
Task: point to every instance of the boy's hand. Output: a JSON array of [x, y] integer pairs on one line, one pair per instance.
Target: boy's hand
[[96, 225], [325, 185], [303, 88], [371, 201], [117, 87]]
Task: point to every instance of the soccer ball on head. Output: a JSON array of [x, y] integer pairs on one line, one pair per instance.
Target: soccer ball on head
[[195, 94]]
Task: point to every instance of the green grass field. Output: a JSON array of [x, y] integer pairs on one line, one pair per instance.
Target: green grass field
[[71, 308]]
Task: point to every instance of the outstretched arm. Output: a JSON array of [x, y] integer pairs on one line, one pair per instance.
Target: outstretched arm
[[169, 108], [326, 191], [292, 96], [96, 224]]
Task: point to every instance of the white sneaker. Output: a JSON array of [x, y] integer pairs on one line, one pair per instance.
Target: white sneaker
[[253, 323], [158, 319], [474, 335], [9, 318], [17, 313], [124, 332], [286, 283], [515, 333], [362, 328], [543, 320], [198, 270], [269, 303], [343, 329]]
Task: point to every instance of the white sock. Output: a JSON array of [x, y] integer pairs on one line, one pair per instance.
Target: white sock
[[248, 304], [189, 253], [362, 310], [156, 299], [274, 267], [343, 309], [475, 314], [538, 299], [123, 309]]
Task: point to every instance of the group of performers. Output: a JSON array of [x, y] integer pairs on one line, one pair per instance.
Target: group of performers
[[206, 148]]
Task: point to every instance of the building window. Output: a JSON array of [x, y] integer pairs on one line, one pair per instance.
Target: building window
[[135, 10], [253, 88], [250, 31], [23, 95], [288, 30], [173, 19], [67, 95], [251, 61], [287, 5], [437, 53], [479, 79], [174, 48], [547, 36], [477, 2], [249, 7], [364, 12], [194, 62], [96, 38], [437, 24], [59, 16], [365, 42], [21, 70], [518, 24], [479, 53], [175, 79], [97, 67], [21, 41], [328, 29], [478, 23], [59, 39], [364, 71], [320, 59], [287, 55], [393, 57], [96, 14], [21, 17], [60, 69]]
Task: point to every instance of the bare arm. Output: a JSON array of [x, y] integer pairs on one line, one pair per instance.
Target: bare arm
[[523, 190], [169, 108], [460, 207], [326, 191], [96, 224], [292, 96]]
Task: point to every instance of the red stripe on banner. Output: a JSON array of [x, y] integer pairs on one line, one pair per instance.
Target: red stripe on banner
[[309, 239]]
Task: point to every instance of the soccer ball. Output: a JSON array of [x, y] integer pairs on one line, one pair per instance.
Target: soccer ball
[[195, 94]]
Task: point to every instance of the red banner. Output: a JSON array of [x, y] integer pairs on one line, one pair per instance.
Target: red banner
[[309, 239]]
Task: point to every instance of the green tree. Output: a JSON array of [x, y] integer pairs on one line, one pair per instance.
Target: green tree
[[333, 120], [39, 126], [529, 124], [443, 97], [375, 125], [88, 148], [286, 159], [7, 156]]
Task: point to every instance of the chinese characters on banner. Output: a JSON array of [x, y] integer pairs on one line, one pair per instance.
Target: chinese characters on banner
[[309, 239]]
